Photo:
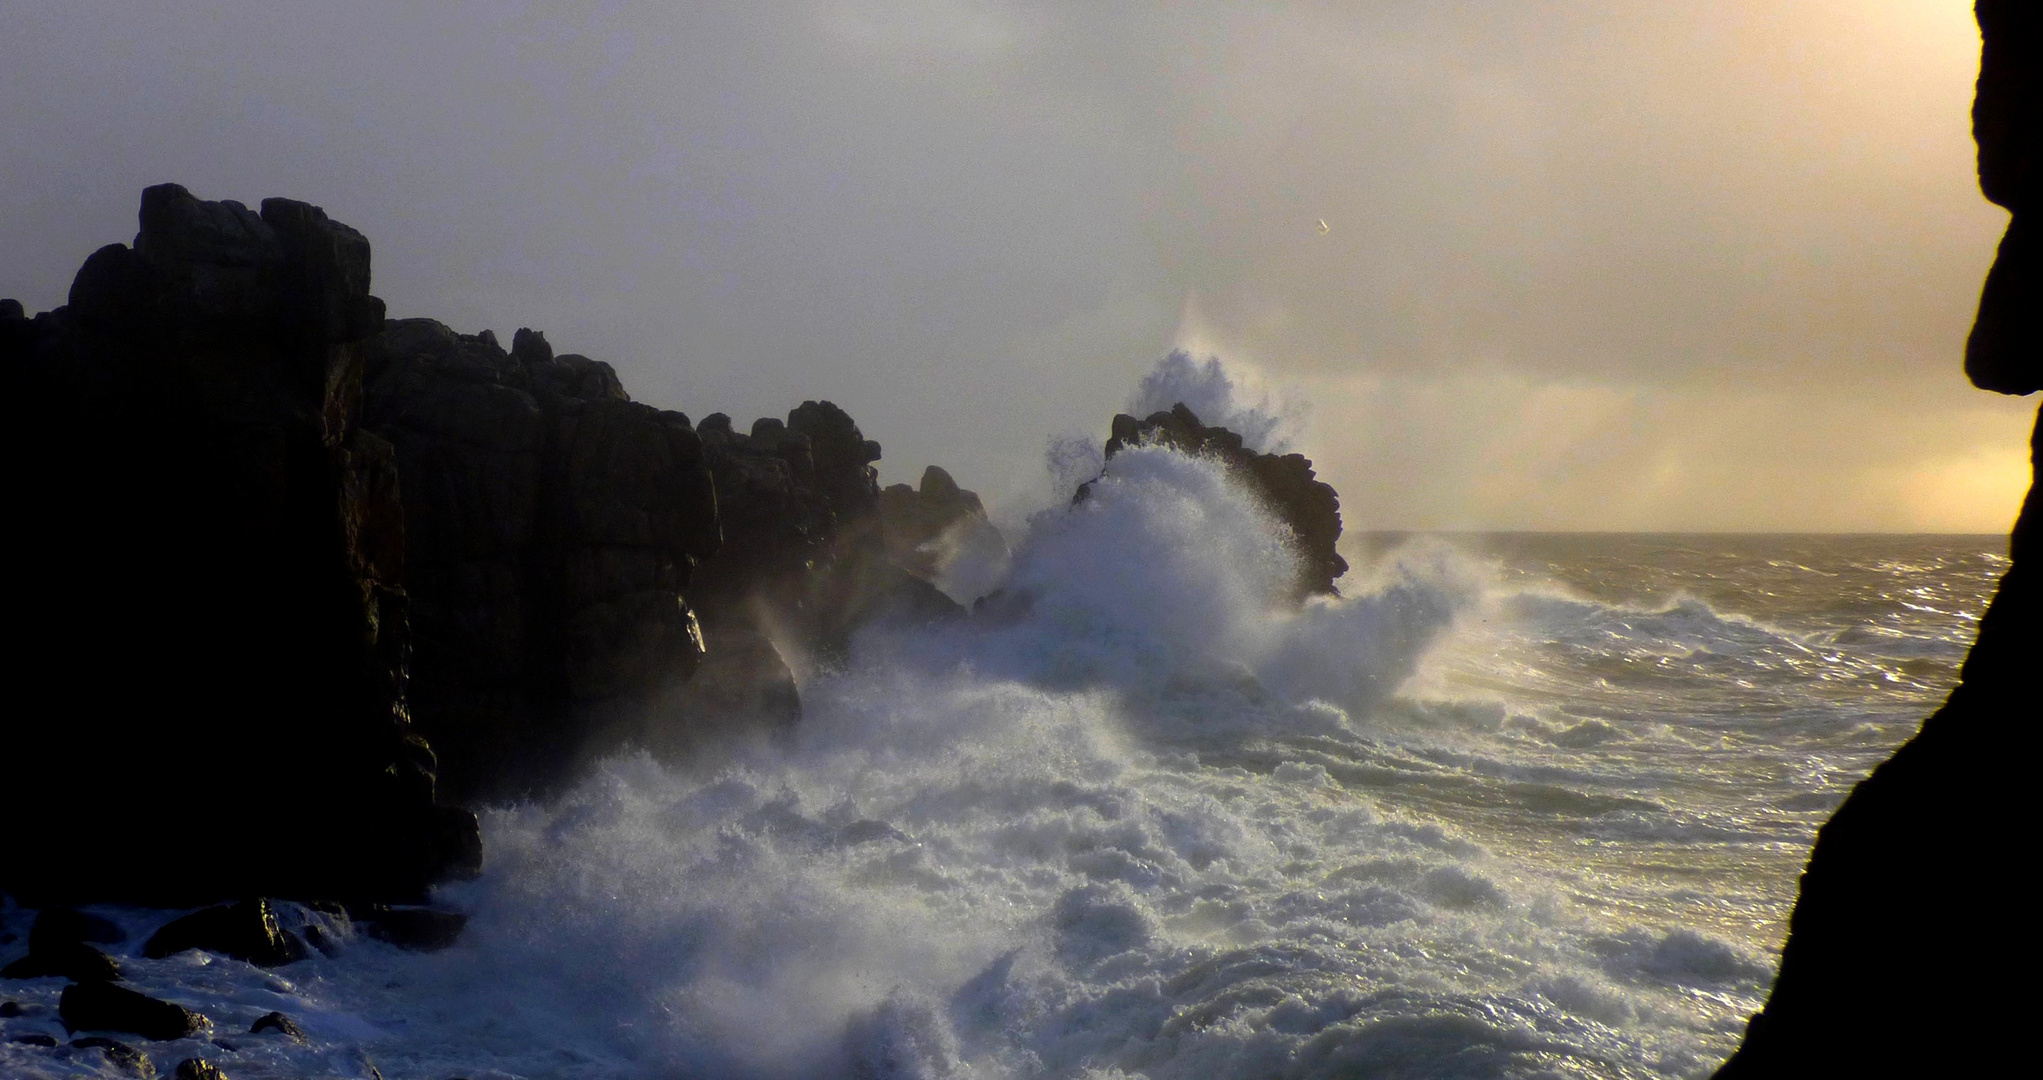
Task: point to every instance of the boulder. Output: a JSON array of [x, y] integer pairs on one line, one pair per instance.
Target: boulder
[[101, 1006], [279, 1023], [198, 1069], [122, 1056], [207, 516], [246, 930], [1286, 483], [64, 959], [57, 947]]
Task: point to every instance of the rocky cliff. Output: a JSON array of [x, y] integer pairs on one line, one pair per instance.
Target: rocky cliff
[[209, 552], [1911, 920], [553, 527]]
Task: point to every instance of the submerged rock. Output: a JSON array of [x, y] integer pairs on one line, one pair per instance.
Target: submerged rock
[[100, 1006], [124, 1057]]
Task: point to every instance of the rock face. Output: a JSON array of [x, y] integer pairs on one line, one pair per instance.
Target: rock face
[[1285, 482], [210, 551], [1878, 977], [804, 563], [276, 551], [2005, 350], [921, 526], [553, 525]]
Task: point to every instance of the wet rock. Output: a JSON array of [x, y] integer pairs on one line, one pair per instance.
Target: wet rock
[[98, 1006], [124, 1057], [57, 948], [418, 929], [70, 960], [246, 930], [34, 1039], [323, 942], [198, 1069], [279, 1023], [9, 1009], [1286, 483]]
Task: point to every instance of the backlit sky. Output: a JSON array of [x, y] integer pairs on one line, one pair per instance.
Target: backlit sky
[[1617, 265]]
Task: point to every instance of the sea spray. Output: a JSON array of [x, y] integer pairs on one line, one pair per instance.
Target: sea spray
[[1151, 822]]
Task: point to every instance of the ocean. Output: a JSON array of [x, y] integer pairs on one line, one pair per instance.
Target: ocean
[[1517, 805]]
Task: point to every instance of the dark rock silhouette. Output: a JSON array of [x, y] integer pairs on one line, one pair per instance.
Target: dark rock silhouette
[[211, 551], [417, 929], [123, 1057], [72, 960], [102, 1006], [553, 525], [279, 1023], [246, 930], [804, 564], [58, 945], [1285, 482], [1878, 976], [917, 522], [2005, 350]]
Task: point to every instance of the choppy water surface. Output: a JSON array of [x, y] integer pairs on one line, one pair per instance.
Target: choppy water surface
[[1523, 805]]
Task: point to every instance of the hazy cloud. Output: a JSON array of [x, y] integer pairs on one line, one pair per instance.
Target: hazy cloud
[[1621, 252]]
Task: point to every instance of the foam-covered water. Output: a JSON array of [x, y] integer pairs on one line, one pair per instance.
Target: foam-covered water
[[1516, 806]]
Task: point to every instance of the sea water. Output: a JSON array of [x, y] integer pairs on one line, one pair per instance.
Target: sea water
[[1512, 806]]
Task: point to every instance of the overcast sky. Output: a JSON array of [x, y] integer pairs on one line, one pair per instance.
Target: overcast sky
[[1609, 265]]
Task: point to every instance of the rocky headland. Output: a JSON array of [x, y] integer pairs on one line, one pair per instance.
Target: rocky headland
[[306, 584]]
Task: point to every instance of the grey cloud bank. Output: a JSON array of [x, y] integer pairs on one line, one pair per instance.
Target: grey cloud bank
[[1586, 266]]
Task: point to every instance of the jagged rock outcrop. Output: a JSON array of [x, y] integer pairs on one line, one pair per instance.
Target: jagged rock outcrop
[[804, 563], [925, 527], [553, 527], [1285, 482], [279, 550], [209, 554], [1879, 976]]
